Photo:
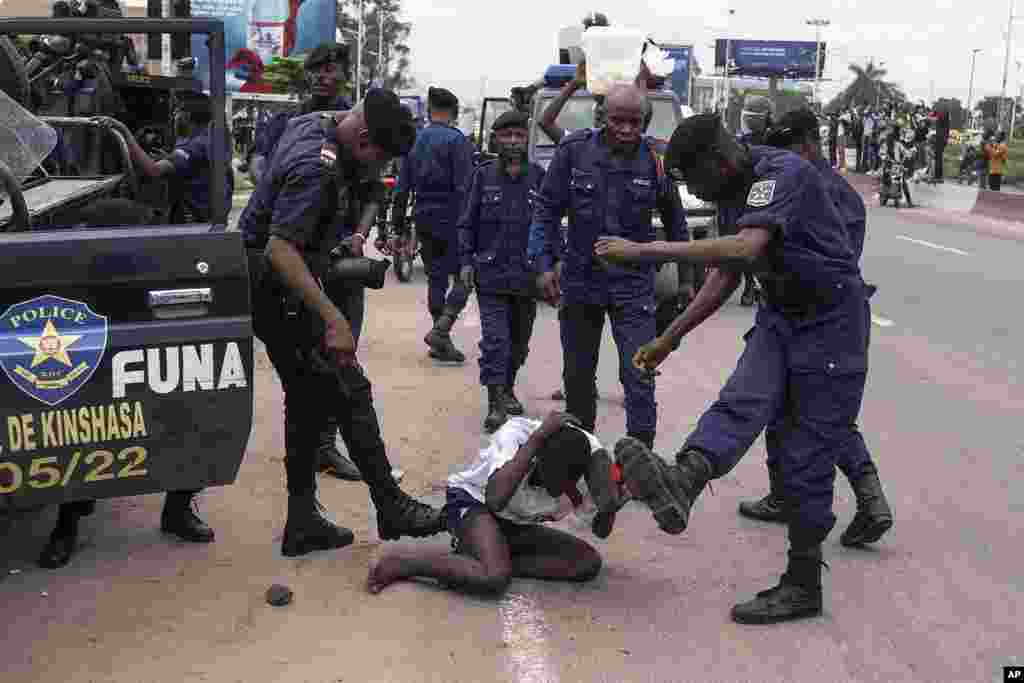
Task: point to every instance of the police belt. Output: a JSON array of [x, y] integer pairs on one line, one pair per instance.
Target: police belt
[[799, 300]]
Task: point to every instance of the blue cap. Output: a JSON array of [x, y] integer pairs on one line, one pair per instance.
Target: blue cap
[[557, 75]]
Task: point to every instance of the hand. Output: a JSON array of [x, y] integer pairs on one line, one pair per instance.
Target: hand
[[616, 250], [650, 355], [382, 245], [550, 289], [340, 343], [466, 276], [555, 421], [111, 123], [356, 243]]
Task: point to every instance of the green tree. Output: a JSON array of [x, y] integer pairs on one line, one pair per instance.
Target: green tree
[[868, 88], [393, 69], [287, 76]]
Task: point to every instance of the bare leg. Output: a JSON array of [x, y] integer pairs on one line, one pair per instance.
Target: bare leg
[[541, 552], [482, 565]]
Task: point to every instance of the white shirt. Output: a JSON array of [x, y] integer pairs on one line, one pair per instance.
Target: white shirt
[[529, 504]]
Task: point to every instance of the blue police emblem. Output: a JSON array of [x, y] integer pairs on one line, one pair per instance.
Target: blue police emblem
[[50, 346]]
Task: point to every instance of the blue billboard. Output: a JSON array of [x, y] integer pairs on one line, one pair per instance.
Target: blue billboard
[[680, 79], [770, 58], [256, 32]]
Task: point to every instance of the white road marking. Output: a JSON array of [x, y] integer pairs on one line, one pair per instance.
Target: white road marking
[[880, 321], [932, 245]]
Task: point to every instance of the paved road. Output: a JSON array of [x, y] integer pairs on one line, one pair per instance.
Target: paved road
[[939, 599]]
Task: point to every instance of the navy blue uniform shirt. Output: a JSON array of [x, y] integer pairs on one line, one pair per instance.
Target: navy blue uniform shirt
[[310, 193], [269, 134], [811, 253], [494, 227], [191, 161], [603, 195], [850, 205], [438, 170]]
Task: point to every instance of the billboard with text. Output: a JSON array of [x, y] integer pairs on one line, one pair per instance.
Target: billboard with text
[[680, 79], [258, 31], [770, 58]]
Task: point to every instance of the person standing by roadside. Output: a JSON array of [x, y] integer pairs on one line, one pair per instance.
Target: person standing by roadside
[[997, 154], [940, 141]]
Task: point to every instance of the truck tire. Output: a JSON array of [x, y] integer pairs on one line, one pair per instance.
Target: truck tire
[[13, 80]]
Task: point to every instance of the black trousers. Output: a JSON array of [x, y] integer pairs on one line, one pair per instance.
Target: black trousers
[[314, 391]]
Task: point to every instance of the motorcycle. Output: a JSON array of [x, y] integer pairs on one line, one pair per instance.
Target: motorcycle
[[403, 252]]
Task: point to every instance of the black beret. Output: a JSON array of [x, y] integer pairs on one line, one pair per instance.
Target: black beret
[[390, 124], [794, 127], [512, 119], [692, 138], [325, 53], [440, 98]]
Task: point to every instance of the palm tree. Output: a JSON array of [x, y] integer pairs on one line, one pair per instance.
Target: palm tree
[[868, 88]]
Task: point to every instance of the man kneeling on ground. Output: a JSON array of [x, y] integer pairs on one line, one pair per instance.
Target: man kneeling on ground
[[497, 506]]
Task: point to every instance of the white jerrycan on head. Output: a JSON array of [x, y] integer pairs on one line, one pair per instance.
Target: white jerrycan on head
[[613, 56]]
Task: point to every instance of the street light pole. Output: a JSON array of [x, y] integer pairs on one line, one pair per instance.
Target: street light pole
[[728, 28], [970, 88], [1006, 61], [818, 24], [1013, 109]]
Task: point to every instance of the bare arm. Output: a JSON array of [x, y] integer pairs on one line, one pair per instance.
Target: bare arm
[[288, 263], [503, 484], [717, 289], [736, 250], [548, 119]]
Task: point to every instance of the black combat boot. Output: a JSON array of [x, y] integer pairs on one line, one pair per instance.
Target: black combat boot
[[770, 508], [307, 530], [398, 514], [497, 412], [669, 491], [873, 516], [605, 492], [180, 519], [64, 537], [330, 459], [440, 341], [797, 596], [512, 404]]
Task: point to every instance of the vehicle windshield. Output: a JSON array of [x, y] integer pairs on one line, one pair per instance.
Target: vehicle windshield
[[25, 141], [493, 110], [579, 114]]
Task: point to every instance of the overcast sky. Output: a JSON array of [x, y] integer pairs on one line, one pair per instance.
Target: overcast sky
[[469, 45]]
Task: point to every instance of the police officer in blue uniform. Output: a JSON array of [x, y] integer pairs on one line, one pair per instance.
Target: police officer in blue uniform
[[189, 165], [326, 67], [799, 132], [494, 229], [323, 161], [805, 362], [755, 120], [608, 181], [437, 170]]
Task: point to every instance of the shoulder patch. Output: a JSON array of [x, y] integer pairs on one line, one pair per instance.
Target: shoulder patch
[[761, 193]]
